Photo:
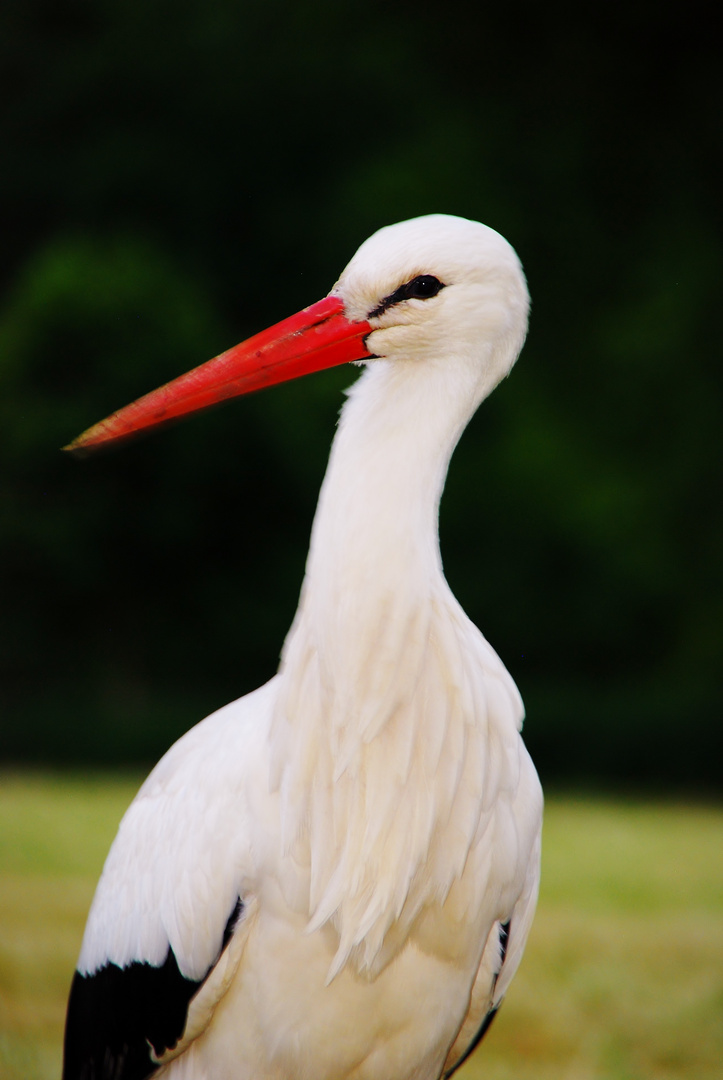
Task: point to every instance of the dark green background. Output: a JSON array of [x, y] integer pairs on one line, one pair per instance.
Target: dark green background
[[176, 175]]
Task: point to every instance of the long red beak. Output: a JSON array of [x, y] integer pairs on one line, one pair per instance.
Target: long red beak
[[316, 338]]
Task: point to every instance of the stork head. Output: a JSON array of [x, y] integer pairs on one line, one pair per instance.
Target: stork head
[[431, 287], [439, 286]]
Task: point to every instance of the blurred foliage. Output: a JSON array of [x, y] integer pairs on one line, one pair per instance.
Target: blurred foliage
[[178, 175]]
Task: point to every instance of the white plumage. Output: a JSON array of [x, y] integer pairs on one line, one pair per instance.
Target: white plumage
[[373, 807]]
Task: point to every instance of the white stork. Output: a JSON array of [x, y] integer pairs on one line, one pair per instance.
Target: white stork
[[333, 878]]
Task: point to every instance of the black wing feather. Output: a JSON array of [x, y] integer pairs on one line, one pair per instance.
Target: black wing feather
[[118, 1017], [117, 1014]]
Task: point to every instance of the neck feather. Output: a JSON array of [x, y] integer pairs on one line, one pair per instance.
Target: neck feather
[[381, 713]]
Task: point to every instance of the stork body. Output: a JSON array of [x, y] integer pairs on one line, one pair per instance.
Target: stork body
[[334, 877]]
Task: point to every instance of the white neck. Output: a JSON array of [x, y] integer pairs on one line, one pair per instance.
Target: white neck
[[378, 636], [375, 543]]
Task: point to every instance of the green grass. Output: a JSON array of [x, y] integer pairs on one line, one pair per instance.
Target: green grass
[[622, 980]]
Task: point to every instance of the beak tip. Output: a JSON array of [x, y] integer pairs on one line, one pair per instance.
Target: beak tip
[[75, 449], [89, 442]]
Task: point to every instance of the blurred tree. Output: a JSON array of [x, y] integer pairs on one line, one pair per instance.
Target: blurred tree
[[176, 176]]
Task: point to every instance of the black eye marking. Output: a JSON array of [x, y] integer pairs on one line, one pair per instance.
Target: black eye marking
[[423, 287]]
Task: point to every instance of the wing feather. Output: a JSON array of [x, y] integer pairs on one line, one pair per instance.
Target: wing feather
[[171, 913]]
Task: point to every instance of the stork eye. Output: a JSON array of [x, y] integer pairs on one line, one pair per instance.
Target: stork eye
[[422, 287]]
